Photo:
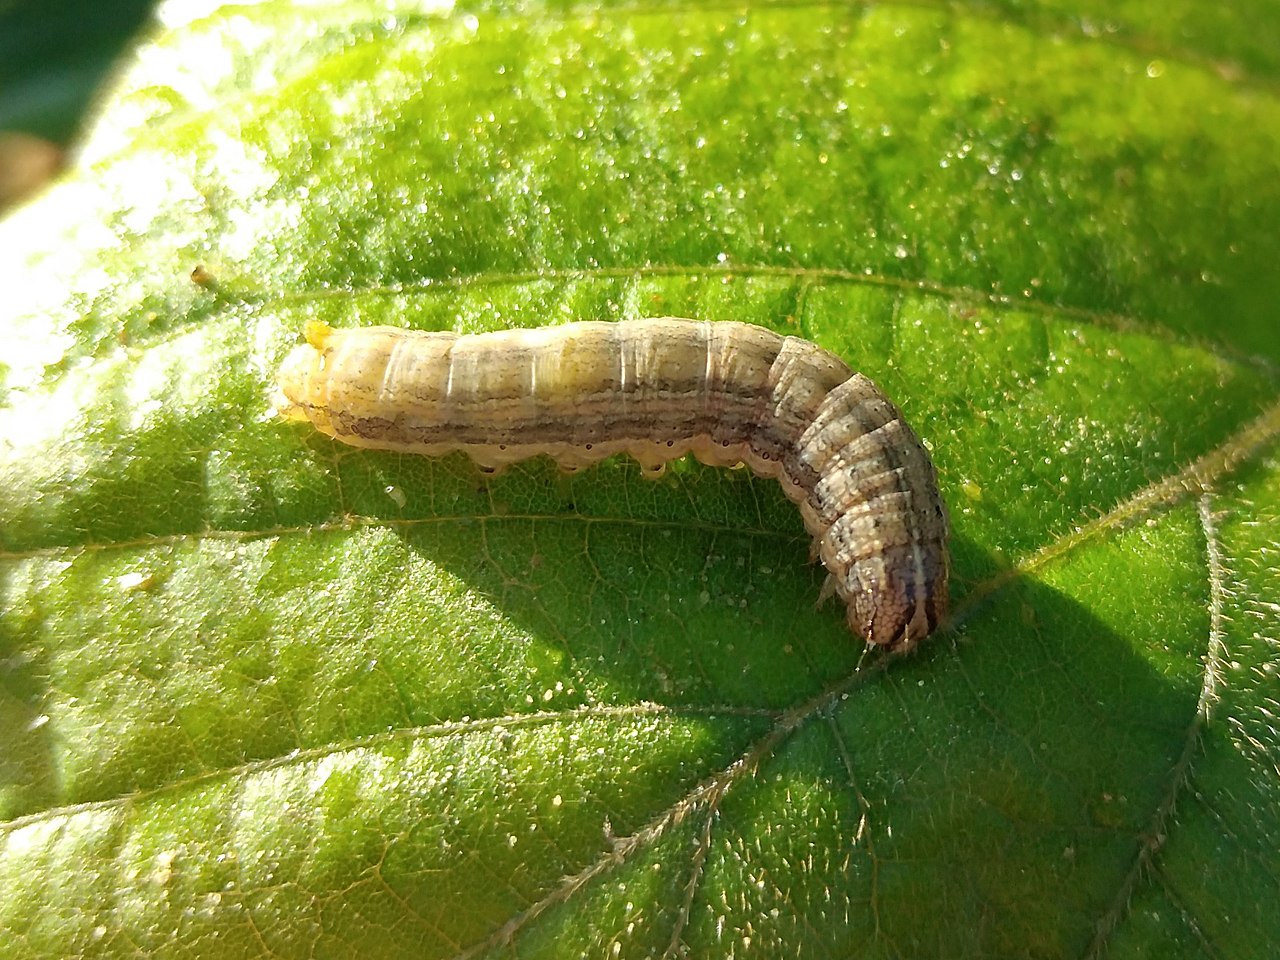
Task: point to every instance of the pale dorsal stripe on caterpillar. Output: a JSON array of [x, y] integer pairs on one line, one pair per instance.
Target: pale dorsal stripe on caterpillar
[[657, 389]]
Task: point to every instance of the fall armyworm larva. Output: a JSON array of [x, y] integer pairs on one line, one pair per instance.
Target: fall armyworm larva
[[657, 389]]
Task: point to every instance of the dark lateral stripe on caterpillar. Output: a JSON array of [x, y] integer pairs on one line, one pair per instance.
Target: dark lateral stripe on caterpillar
[[657, 389]]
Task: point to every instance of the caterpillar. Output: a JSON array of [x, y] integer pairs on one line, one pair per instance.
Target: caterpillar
[[657, 389]]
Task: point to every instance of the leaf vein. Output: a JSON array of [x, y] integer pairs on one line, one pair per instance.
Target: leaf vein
[[1153, 838]]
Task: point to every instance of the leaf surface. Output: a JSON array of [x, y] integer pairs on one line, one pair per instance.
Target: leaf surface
[[267, 695]]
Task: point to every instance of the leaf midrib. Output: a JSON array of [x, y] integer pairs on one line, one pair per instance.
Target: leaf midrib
[[812, 277]]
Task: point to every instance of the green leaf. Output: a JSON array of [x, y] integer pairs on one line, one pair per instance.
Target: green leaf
[[263, 695]]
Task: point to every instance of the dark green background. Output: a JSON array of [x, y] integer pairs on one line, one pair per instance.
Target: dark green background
[[54, 55]]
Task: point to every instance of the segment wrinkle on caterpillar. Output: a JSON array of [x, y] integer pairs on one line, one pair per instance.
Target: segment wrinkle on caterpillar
[[656, 390]]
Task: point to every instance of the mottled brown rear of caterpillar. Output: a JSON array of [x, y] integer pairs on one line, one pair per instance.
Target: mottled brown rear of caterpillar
[[658, 389]]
